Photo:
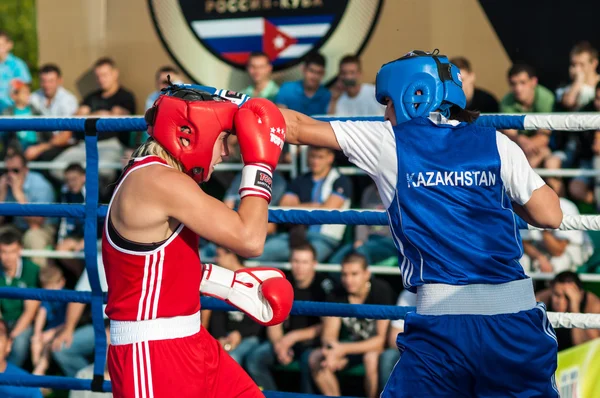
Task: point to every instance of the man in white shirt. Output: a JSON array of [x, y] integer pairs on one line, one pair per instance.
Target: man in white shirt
[[52, 100], [584, 77], [556, 251], [349, 96]]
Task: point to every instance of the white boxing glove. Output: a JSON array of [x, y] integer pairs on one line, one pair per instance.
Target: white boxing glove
[[264, 294]]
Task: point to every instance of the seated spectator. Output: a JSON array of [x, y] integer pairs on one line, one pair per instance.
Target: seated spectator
[[306, 96], [49, 319], [556, 251], [324, 187], [73, 346], [20, 185], [11, 67], [566, 294], [19, 314], [583, 151], [350, 96], [527, 96], [24, 139], [110, 100], [88, 373], [161, 81], [236, 332], [70, 230], [478, 99], [52, 100], [584, 78], [8, 368], [291, 340], [259, 69], [372, 241], [391, 355], [347, 342]]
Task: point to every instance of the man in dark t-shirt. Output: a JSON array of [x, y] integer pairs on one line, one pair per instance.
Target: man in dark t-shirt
[[293, 339], [347, 341], [477, 98], [110, 100]]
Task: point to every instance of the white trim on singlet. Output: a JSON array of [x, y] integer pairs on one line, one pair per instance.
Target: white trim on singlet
[[114, 245]]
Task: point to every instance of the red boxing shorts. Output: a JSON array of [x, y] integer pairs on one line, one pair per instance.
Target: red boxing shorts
[[192, 366]]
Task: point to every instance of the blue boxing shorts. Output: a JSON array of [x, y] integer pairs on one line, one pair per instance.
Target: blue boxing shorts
[[501, 355]]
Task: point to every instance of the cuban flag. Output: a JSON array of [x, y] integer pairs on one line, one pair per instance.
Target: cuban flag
[[283, 39]]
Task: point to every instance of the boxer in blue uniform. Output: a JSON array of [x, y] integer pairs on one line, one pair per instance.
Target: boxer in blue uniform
[[451, 189]]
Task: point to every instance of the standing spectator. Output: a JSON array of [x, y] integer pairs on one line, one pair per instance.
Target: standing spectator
[[50, 317], [584, 78], [293, 339], [566, 294], [52, 100], [110, 100], [477, 99], [9, 369], [307, 96], [20, 185], [236, 332], [347, 342], [259, 69], [350, 96], [17, 272], [21, 95], [527, 96], [372, 241], [161, 81], [11, 67], [324, 187]]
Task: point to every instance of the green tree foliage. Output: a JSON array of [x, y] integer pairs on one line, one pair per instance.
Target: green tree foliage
[[18, 18]]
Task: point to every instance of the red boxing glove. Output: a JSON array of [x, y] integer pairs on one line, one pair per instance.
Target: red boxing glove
[[262, 293], [260, 129]]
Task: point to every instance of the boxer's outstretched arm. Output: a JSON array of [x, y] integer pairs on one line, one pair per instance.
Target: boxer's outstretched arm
[[304, 130]]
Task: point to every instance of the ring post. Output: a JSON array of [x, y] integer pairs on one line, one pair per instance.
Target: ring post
[[91, 251]]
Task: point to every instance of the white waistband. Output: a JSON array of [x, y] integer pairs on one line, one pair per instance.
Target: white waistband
[[479, 299], [129, 332]]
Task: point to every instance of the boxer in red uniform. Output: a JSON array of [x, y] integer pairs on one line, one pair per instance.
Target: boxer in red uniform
[[150, 247]]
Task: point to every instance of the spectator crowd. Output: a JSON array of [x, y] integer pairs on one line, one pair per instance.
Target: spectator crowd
[[56, 338]]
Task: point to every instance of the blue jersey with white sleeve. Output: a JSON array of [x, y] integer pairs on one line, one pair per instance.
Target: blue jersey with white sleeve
[[447, 187]]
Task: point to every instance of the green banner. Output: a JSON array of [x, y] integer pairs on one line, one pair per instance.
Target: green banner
[[578, 373]]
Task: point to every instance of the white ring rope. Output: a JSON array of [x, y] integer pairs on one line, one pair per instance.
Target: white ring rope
[[571, 320]]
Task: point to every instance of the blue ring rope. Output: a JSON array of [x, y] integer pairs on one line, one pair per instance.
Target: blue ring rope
[[362, 311], [72, 383], [127, 124], [304, 217]]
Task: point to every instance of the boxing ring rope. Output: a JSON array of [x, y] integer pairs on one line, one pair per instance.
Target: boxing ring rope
[[91, 210]]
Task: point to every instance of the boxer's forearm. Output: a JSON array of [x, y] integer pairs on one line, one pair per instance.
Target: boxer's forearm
[[304, 130]]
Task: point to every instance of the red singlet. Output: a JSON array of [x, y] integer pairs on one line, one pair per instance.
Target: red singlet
[[158, 348]]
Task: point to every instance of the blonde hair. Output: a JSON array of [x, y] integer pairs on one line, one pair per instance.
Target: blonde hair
[[50, 274], [153, 148]]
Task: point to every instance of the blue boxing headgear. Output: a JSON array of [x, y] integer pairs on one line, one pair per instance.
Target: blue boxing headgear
[[433, 75]]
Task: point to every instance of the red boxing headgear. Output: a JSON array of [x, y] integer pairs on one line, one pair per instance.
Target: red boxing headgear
[[205, 115]]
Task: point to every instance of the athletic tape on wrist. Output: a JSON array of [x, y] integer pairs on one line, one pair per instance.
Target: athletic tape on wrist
[[257, 180]]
